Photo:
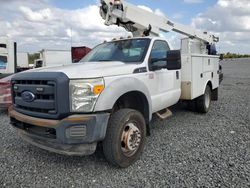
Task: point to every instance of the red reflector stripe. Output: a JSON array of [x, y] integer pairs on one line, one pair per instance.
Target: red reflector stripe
[[4, 84], [7, 99], [5, 91]]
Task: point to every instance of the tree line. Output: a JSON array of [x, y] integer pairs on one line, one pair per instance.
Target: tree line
[[33, 57], [229, 55]]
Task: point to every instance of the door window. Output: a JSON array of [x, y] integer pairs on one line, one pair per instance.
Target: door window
[[159, 51]]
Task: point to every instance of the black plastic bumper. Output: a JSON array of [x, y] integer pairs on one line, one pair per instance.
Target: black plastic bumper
[[74, 135], [53, 146]]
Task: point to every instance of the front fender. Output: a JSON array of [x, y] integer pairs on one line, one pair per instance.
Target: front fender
[[115, 89]]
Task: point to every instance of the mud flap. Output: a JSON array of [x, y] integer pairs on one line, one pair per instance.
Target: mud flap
[[215, 94]]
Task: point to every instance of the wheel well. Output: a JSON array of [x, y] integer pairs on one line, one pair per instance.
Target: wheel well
[[214, 92], [134, 100], [210, 85]]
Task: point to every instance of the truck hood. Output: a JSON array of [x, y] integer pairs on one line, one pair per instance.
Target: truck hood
[[91, 69]]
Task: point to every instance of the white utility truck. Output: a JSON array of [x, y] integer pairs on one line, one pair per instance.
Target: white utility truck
[[51, 58], [111, 95], [10, 60]]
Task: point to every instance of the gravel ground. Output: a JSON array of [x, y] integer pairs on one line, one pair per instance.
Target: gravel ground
[[187, 150]]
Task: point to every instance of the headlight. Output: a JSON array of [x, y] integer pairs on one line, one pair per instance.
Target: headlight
[[84, 93]]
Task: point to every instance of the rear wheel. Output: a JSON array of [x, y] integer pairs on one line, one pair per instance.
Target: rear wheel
[[191, 105], [125, 138], [203, 102]]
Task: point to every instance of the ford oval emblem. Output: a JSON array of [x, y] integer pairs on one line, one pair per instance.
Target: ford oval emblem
[[28, 96]]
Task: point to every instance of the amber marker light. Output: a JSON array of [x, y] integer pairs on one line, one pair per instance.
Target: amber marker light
[[98, 89]]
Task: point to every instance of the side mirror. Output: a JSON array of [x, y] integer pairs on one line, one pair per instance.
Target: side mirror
[[174, 60]]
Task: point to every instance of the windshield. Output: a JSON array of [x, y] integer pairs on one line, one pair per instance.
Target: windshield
[[131, 50]]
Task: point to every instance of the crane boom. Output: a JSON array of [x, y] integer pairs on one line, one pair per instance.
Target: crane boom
[[142, 22]]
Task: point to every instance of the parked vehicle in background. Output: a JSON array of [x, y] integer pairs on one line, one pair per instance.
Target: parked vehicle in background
[[38, 63], [79, 52], [7, 65], [51, 58], [31, 65], [11, 61], [5, 92], [22, 61]]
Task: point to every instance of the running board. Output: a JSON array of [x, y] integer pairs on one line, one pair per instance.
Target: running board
[[164, 114]]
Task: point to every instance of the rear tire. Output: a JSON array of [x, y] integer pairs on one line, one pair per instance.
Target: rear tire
[[191, 105], [125, 138], [203, 102]]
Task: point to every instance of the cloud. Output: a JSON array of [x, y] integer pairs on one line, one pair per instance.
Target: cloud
[[230, 19], [36, 16], [36, 25]]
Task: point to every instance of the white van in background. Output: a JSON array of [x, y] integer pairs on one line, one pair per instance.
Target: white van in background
[[51, 58]]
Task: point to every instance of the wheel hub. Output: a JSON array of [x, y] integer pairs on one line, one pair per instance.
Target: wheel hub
[[130, 140]]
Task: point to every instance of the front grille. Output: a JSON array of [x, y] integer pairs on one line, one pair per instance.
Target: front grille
[[41, 94], [44, 95]]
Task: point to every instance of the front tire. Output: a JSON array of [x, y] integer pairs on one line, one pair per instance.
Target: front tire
[[203, 102], [125, 138]]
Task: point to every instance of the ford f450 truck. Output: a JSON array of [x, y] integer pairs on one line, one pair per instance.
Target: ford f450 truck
[[110, 96]]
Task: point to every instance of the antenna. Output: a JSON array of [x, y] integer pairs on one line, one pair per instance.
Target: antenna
[[71, 36]]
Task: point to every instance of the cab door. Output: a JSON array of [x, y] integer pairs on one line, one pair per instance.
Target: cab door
[[164, 84]]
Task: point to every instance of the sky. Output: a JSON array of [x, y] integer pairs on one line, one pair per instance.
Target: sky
[[58, 24]]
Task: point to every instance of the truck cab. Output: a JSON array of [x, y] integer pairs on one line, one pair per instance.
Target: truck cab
[[38, 63], [109, 97]]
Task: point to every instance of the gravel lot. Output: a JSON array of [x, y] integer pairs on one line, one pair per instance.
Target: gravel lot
[[187, 150]]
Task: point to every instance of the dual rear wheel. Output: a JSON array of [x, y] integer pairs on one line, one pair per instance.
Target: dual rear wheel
[[201, 104]]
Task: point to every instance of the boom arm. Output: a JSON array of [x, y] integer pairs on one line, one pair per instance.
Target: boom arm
[[141, 22]]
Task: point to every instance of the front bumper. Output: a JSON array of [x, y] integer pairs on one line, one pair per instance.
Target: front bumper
[[73, 135]]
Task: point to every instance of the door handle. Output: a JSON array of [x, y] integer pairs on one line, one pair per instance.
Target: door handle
[[177, 75]]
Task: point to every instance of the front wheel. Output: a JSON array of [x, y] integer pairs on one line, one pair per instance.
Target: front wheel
[[125, 138], [203, 102]]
